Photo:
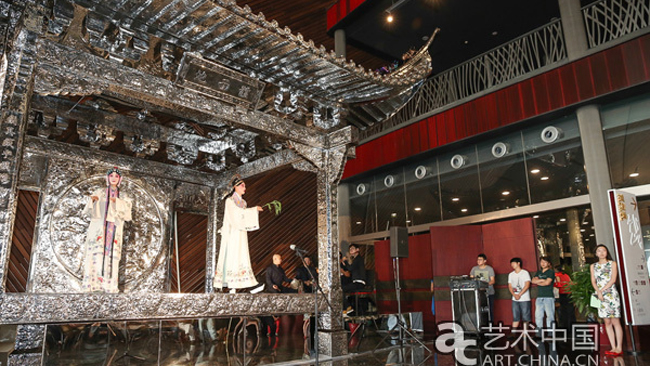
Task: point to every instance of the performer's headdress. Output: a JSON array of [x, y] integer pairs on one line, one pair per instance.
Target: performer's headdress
[[234, 182], [114, 170]]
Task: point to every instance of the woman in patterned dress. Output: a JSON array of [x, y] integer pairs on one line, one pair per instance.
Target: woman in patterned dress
[[108, 210], [603, 278]]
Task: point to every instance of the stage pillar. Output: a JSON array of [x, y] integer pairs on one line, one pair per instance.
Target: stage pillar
[[17, 89]]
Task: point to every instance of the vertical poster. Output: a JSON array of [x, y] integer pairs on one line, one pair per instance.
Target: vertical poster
[[633, 269]]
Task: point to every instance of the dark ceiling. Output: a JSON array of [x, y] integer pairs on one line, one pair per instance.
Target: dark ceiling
[[468, 27]]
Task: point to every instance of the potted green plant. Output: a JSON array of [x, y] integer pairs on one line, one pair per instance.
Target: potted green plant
[[581, 292]]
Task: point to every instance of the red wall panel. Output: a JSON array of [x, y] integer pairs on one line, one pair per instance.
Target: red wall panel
[[605, 72], [504, 240], [454, 249]]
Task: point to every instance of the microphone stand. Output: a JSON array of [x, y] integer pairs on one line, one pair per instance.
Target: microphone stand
[[317, 289]]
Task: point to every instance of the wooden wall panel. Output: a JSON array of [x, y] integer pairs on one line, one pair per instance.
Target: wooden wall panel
[[192, 243], [297, 224], [21, 241], [611, 70]]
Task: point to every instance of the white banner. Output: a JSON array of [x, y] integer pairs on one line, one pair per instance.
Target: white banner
[[633, 270]]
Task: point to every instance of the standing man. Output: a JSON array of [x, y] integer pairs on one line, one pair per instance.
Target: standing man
[[303, 274], [567, 313], [275, 277], [519, 284], [485, 273], [545, 302], [354, 269]]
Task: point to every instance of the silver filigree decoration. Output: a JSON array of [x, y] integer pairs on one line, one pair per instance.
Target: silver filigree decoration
[[216, 162], [292, 105], [141, 147], [245, 151], [327, 117], [185, 155], [95, 135]]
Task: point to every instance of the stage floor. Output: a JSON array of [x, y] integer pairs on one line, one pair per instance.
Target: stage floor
[[183, 343]]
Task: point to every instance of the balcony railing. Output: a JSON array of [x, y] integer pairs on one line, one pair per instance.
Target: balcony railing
[[608, 20], [530, 54]]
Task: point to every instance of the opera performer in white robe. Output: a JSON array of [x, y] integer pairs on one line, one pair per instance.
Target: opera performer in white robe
[[108, 210], [234, 263]]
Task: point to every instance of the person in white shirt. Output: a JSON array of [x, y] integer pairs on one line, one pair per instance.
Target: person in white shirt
[[519, 284]]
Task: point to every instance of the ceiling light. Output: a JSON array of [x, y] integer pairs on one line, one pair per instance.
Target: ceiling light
[[463, 210], [544, 178], [466, 42], [534, 171], [634, 175], [425, 38], [418, 209], [536, 217], [408, 221], [358, 222], [505, 193], [563, 219], [495, 33], [394, 214], [582, 230], [591, 234], [587, 239], [455, 199], [585, 223], [389, 18]]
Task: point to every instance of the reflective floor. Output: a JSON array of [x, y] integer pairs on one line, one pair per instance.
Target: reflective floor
[[253, 341]]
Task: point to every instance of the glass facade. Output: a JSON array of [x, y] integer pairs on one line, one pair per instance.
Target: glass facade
[[626, 126], [536, 164]]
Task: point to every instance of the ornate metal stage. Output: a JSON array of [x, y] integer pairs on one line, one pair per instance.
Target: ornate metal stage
[[181, 95]]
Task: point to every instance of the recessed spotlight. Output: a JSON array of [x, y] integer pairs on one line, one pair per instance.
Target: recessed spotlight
[[505, 193], [534, 171], [634, 175], [463, 210], [358, 222], [587, 239], [408, 221], [544, 178], [455, 199], [495, 33], [536, 217], [585, 223], [425, 38], [418, 209], [466, 42], [389, 18], [563, 219], [582, 230], [591, 235], [394, 214]]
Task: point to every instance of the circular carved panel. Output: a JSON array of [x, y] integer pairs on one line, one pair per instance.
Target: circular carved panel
[[143, 236]]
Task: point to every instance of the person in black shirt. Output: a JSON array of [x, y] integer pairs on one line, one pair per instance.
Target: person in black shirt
[[354, 271], [275, 277], [302, 273]]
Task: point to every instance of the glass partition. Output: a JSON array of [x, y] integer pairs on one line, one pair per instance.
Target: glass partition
[[391, 204], [422, 193], [626, 128], [503, 173], [459, 184], [554, 160], [363, 213]]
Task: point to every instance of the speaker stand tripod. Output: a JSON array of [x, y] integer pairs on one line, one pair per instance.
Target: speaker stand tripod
[[402, 328]]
